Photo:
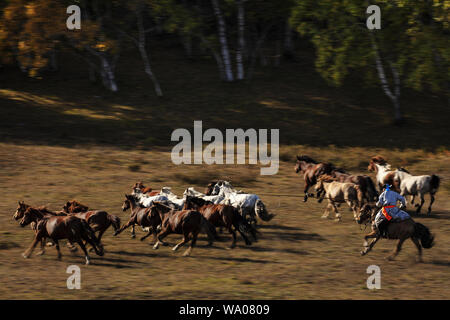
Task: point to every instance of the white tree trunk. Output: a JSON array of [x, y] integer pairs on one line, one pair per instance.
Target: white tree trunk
[[223, 41], [107, 74], [394, 94], [241, 40], [144, 54]]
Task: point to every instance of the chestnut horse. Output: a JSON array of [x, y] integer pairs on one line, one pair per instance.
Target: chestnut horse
[[384, 174], [220, 215], [145, 190], [401, 230], [60, 227], [98, 220], [311, 170], [185, 222]]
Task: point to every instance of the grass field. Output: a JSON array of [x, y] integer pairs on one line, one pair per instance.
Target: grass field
[[62, 139]]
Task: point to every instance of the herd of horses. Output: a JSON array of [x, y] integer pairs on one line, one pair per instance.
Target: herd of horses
[[221, 206]]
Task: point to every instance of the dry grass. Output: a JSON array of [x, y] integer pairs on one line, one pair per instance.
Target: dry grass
[[299, 255]]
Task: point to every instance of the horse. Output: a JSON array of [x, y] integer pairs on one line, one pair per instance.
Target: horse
[[139, 216], [364, 182], [419, 234], [98, 220], [384, 174], [60, 227], [247, 203], [145, 190], [185, 222], [339, 192], [41, 211], [311, 170], [216, 199], [178, 203], [220, 215], [418, 185]]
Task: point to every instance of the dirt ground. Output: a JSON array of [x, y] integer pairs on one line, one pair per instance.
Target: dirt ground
[[299, 255]]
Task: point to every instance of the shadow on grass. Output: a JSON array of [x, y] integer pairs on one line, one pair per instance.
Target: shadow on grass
[[238, 259], [285, 250]]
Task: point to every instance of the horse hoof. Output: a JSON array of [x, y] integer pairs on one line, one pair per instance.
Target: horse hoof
[[25, 256], [363, 252], [40, 253], [390, 258], [133, 236]]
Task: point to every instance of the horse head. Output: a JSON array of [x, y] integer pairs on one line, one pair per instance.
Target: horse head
[[210, 187], [365, 214], [20, 210], [29, 216], [127, 202]]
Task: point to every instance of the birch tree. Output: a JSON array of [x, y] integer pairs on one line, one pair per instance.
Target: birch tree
[[222, 33]]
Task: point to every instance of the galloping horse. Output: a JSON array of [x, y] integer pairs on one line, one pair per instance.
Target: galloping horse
[[339, 192], [185, 222], [384, 174], [400, 230], [364, 182], [98, 220], [311, 170], [220, 215], [145, 190], [418, 185], [60, 227]]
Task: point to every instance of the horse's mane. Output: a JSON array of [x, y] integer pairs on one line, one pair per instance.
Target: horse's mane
[[379, 160], [326, 178], [402, 169], [306, 159]]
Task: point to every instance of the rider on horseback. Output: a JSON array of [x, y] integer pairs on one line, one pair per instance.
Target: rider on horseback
[[389, 211]]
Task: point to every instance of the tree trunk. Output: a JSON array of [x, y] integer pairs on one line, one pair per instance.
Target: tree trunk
[[223, 41], [394, 95], [288, 51], [241, 41], [216, 56], [144, 54]]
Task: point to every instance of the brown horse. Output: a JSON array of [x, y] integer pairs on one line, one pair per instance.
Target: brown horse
[[60, 227], [384, 174], [400, 230], [98, 220], [139, 216], [145, 190], [185, 222], [220, 215], [311, 170]]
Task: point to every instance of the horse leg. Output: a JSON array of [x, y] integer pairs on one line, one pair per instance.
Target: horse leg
[[327, 212], [130, 222], [337, 214], [193, 241], [233, 233], [422, 200], [86, 255], [367, 246], [413, 196], [182, 242], [397, 249], [419, 248], [133, 233], [58, 249], [28, 252], [40, 253], [305, 191], [147, 235], [159, 238], [431, 202]]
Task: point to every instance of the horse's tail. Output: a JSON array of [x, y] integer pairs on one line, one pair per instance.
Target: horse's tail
[[424, 234], [89, 235], [242, 225], [115, 221], [371, 190], [208, 228], [434, 183], [261, 211]]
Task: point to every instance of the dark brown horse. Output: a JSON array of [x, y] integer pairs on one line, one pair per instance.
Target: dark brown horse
[[220, 215], [139, 216], [401, 230], [189, 223], [98, 220], [311, 170], [60, 227]]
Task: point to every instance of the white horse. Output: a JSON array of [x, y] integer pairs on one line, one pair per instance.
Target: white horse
[[145, 200], [248, 204], [418, 186], [178, 202], [216, 199]]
